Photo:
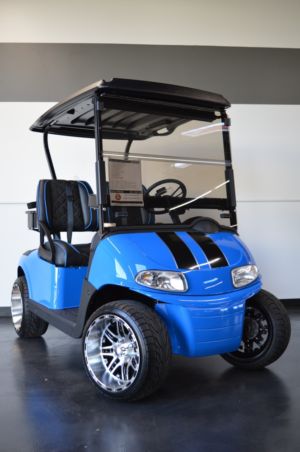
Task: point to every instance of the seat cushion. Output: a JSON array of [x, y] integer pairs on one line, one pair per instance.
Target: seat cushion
[[66, 254]]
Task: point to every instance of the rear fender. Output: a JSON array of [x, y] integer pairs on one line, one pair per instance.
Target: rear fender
[[51, 286]]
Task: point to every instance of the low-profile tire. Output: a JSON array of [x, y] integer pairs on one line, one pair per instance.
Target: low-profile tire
[[267, 331], [26, 323], [126, 350]]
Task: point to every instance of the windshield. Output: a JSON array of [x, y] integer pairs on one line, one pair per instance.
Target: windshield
[[181, 176]]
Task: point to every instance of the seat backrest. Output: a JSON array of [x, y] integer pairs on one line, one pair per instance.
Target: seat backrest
[[53, 197], [128, 216]]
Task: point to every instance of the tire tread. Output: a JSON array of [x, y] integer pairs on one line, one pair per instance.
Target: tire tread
[[32, 325]]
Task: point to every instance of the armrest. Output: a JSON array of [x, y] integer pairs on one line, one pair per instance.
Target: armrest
[[44, 231], [31, 205]]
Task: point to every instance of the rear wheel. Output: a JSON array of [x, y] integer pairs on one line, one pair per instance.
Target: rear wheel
[[267, 332], [25, 322], [126, 350]]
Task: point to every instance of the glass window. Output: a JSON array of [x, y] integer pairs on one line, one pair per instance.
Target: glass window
[[193, 155]]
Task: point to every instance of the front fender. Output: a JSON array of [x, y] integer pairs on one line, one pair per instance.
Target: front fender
[[119, 257]]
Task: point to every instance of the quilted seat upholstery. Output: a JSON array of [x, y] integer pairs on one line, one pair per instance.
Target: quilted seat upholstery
[[54, 215]]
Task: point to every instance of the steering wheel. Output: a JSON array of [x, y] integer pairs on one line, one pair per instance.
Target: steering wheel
[[165, 187]]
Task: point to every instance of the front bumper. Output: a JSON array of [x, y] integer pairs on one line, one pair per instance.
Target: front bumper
[[200, 326]]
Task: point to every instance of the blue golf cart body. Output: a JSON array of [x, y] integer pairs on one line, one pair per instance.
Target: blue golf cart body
[[206, 319], [155, 245]]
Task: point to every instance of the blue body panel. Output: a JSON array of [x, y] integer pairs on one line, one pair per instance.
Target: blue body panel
[[206, 319], [119, 257], [53, 287], [200, 326]]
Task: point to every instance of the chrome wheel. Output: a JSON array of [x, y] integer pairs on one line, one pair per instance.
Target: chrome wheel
[[112, 353], [16, 306]]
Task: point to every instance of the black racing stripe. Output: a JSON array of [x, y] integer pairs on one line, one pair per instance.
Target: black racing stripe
[[213, 253], [182, 254]]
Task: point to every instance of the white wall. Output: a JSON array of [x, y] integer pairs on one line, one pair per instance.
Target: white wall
[[267, 23], [266, 157]]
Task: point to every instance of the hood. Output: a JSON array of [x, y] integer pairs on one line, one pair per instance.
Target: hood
[[205, 259]]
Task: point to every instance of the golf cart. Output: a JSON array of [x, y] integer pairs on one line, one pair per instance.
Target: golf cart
[[164, 271]]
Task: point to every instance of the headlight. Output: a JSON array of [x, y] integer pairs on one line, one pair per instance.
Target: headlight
[[162, 280], [242, 276]]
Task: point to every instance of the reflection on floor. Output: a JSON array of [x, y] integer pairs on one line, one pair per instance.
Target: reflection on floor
[[48, 404]]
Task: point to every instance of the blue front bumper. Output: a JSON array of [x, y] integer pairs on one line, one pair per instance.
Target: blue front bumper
[[200, 326]]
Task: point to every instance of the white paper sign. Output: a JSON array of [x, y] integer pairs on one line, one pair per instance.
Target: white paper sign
[[125, 182]]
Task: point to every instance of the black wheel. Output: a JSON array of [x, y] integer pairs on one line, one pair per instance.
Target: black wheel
[[126, 350], [26, 323], [267, 331]]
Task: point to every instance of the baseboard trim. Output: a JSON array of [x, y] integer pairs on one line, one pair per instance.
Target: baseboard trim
[[289, 303], [5, 312]]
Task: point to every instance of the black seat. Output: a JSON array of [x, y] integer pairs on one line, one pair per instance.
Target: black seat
[[62, 206], [66, 254], [128, 215]]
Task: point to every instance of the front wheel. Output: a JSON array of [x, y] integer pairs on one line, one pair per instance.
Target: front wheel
[[267, 331], [126, 350]]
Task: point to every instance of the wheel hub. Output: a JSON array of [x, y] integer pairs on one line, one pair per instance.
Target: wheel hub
[[112, 353], [251, 328], [256, 333], [124, 349]]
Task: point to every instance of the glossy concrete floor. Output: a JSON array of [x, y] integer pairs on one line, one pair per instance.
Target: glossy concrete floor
[[48, 404]]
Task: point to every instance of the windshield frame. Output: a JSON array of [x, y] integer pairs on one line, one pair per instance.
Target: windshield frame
[[227, 205]]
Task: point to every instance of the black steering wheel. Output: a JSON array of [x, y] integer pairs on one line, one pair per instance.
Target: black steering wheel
[[166, 187]]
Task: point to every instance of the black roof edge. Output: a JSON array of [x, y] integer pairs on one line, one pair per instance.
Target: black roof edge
[[162, 93]]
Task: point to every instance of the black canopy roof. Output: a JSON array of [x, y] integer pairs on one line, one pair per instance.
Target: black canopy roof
[[132, 109]]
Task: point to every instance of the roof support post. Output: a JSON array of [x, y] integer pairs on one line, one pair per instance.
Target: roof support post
[[100, 165], [229, 175], [48, 155], [127, 149]]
